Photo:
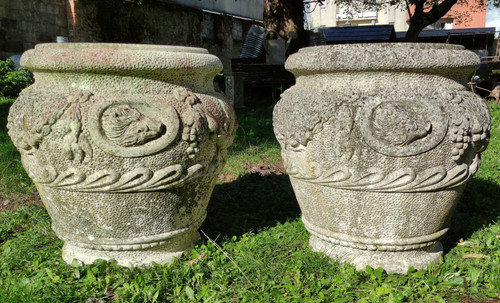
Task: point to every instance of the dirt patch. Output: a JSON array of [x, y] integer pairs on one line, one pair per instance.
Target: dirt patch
[[226, 178], [265, 169], [18, 201], [260, 169]]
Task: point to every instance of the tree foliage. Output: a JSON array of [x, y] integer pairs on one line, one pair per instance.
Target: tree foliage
[[421, 13], [285, 16]]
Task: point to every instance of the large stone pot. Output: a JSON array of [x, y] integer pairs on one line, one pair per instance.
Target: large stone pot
[[379, 141], [124, 144]]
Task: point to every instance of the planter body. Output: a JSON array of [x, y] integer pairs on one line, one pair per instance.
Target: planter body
[[379, 140], [124, 144]]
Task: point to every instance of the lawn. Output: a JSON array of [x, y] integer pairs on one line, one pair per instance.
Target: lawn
[[254, 246]]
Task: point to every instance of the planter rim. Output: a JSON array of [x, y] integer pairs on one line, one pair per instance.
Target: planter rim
[[380, 57], [117, 57], [122, 46]]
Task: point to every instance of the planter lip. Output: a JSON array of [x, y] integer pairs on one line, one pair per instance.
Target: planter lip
[[121, 46], [117, 57], [380, 57]]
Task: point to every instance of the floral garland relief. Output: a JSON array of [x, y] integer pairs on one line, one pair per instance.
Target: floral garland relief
[[395, 127], [125, 128]]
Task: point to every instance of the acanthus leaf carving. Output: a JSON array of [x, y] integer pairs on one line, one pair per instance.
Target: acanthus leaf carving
[[103, 178], [131, 179], [71, 176]]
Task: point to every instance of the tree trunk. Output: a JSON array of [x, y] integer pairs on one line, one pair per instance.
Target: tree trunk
[[423, 17], [285, 16], [413, 32]]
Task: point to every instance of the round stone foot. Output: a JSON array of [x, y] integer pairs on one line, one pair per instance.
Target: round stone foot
[[391, 261], [160, 254]]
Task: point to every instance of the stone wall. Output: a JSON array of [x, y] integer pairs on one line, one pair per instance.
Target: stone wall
[[24, 23], [157, 22]]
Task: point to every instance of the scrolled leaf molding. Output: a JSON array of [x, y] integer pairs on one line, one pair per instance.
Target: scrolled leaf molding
[[376, 180], [138, 180]]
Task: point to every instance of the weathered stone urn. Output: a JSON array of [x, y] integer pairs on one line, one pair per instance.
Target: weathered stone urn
[[379, 141], [124, 144]]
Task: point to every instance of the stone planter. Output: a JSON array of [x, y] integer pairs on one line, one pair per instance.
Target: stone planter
[[379, 141], [124, 144]]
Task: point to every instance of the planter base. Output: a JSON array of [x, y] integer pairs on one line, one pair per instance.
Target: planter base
[[391, 261], [161, 254]]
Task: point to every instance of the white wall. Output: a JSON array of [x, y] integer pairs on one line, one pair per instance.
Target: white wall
[[323, 15], [393, 15], [329, 15]]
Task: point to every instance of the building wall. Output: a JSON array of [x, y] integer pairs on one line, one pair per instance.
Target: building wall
[[393, 15], [157, 22], [323, 15], [24, 23], [468, 14], [251, 9], [330, 15]]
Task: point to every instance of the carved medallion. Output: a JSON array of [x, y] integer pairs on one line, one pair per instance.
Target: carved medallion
[[132, 127], [126, 126], [401, 128]]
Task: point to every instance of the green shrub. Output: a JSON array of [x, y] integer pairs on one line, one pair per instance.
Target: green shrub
[[12, 79]]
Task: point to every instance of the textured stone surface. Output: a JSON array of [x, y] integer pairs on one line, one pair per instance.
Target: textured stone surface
[[124, 144], [379, 141]]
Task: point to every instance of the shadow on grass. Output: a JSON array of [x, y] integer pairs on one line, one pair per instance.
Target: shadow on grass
[[255, 202], [478, 207], [4, 111], [248, 204]]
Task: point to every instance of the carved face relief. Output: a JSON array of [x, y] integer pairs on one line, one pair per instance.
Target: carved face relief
[[132, 126], [401, 127], [126, 126], [397, 125]]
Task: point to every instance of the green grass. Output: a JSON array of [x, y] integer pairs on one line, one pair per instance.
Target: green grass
[[254, 143], [13, 179], [263, 254]]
